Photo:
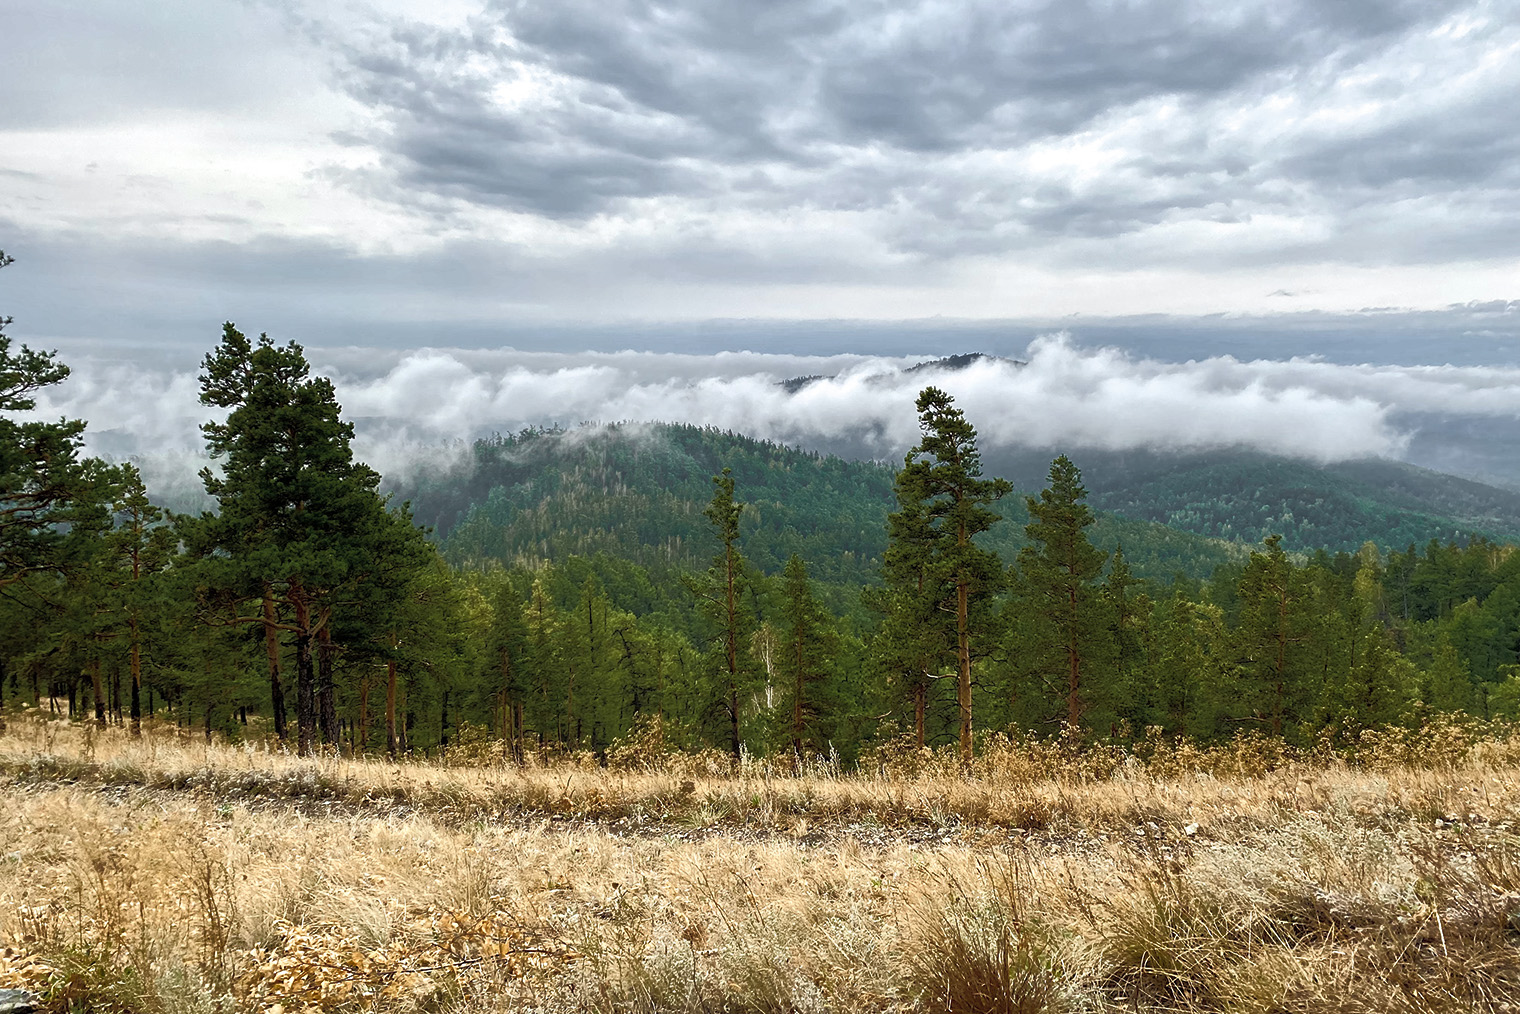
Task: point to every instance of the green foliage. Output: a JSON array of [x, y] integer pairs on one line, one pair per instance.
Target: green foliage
[[51, 499], [610, 580], [1069, 640], [1245, 497], [941, 579]]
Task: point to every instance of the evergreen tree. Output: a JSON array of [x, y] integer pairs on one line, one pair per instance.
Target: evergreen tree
[[1129, 613], [1074, 644], [1190, 673], [721, 595], [140, 546], [915, 640], [1448, 684], [807, 661], [947, 509], [50, 497], [1274, 638], [1374, 691], [298, 519]]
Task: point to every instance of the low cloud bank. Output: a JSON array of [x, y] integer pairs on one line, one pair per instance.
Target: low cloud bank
[[406, 405]]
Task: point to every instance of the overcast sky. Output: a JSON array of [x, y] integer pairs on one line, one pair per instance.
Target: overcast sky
[[460, 171], [1293, 224]]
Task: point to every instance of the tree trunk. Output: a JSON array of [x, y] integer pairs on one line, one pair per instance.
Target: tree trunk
[[361, 730], [390, 707], [98, 690], [272, 649], [963, 652], [518, 731], [306, 698], [136, 663], [920, 708], [327, 692]]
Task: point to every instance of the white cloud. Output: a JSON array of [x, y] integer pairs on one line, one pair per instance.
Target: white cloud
[[408, 405], [618, 161]]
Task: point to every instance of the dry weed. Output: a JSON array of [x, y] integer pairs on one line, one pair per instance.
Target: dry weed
[[162, 875]]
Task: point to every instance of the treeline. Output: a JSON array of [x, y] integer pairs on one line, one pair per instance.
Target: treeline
[[638, 491], [308, 608]]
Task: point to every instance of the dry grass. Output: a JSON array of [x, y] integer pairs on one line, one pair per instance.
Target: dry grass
[[166, 875]]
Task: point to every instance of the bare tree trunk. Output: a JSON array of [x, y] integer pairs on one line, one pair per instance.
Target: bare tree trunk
[[390, 707], [272, 649], [99, 691], [920, 708], [361, 732], [963, 653], [326, 691], [306, 698]]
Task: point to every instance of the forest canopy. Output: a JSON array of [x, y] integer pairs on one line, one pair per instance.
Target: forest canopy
[[740, 594]]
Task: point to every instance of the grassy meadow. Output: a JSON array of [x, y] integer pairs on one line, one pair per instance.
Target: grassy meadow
[[166, 874]]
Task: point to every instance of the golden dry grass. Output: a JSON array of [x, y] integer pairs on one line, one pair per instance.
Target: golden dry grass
[[168, 875]]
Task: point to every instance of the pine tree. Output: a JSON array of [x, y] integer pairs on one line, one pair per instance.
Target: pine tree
[[1448, 684], [1274, 635], [1060, 569], [1129, 614], [914, 640], [721, 594], [946, 509], [50, 497], [140, 546], [807, 657], [299, 523], [1191, 673]]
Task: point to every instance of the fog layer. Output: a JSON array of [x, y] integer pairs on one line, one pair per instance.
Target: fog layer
[[408, 405]]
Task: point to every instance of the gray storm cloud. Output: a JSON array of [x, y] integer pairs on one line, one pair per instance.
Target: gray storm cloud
[[419, 408]]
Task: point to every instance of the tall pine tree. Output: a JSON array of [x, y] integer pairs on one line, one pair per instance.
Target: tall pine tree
[[944, 501], [1074, 641]]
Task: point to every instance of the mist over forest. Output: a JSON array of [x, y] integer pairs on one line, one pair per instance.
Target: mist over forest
[[419, 408]]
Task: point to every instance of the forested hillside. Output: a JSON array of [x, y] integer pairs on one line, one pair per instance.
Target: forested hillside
[[746, 596], [1245, 496], [638, 492]]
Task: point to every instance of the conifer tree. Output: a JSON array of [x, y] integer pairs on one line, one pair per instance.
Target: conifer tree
[[1129, 615], [807, 660], [721, 593], [1060, 568], [914, 640], [1190, 675], [1273, 635], [140, 546], [944, 507], [298, 519], [1448, 684], [50, 497]]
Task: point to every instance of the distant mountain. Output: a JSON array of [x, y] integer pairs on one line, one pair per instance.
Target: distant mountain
[[947, 364], [638, 492], [1245, 495], [961, 362]]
